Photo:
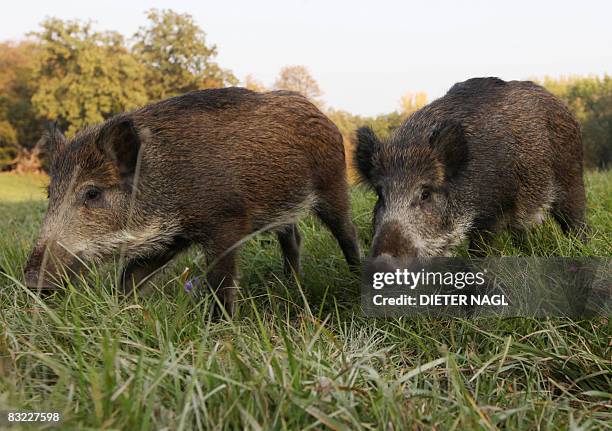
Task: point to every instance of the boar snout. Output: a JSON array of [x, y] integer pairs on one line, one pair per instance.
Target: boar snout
[[45, 268], [390, 240], [36, 269], [383, 263]]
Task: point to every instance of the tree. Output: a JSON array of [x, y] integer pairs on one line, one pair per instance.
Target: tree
[[590, 99], [84, 76], [177, 59], [19, 124], [593, 99], [411, 102], [299, 79]]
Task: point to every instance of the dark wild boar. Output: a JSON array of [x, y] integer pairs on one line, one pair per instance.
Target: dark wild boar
[[488, 155], [208, 168]]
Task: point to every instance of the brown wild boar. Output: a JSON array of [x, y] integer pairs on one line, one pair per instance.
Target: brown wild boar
[[208, 168], [488, 155]]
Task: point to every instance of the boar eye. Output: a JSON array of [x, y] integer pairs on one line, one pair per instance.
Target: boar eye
[[425, 195], [92, 193]]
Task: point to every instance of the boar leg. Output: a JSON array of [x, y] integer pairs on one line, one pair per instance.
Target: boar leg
[[334, 213], [290, 242], [138, 270], [220, 275], [569, 213]]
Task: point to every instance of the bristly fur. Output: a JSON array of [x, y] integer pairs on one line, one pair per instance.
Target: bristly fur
[[53, 140], [367, 145], [209, 168], [488, 155], [448, 139]]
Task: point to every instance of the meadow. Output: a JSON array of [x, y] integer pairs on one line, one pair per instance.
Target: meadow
[[297, 354]]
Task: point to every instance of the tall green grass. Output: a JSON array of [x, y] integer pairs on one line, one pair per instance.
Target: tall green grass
[[298, 355]]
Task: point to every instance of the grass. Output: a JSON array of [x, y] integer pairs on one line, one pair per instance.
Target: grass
[[296, 356], [22, 188]]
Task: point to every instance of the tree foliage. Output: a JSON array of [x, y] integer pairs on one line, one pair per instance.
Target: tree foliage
[[19, 124], [177, 59], [71, 74], [383, 125], [590, 98], [84, 76]]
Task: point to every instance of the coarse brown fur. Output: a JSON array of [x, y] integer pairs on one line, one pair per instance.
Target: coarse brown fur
[[488, 155], [209, 167]]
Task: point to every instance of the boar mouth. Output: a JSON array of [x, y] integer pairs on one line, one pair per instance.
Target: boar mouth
[[401, 241]]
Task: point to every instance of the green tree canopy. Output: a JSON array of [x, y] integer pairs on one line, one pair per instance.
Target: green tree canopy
[[177, 59], [19, 124], [590, 98], [383, 125], [84, 76]]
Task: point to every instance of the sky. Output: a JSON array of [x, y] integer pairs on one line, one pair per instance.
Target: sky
[[367, 54]]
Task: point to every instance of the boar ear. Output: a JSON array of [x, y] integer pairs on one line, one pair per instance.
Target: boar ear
[[448, 140], [120, 141], [367, 146], [53, 140]]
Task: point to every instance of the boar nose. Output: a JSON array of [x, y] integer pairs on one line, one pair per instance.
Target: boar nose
[[35, 276], [383, 264], [390, 240]]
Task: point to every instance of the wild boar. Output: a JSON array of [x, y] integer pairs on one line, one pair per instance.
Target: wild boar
[[210, 168], [488, 155]]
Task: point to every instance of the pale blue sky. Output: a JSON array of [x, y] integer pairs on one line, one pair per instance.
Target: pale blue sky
[[366, 54]]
